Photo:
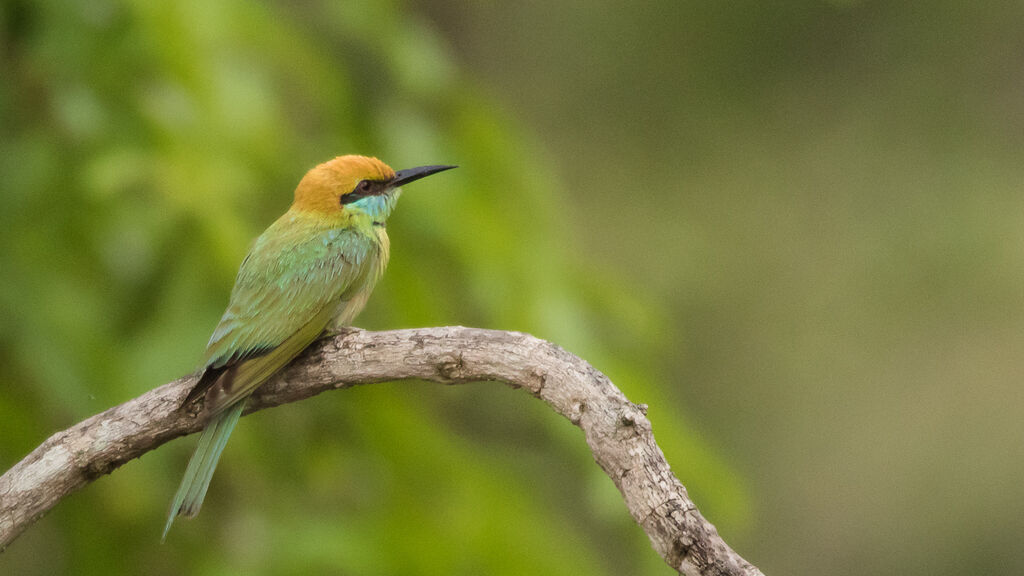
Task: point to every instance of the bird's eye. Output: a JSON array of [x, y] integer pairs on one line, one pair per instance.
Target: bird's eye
[[363, 189]]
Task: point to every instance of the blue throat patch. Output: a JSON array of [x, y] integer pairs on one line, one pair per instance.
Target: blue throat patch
[[378, 208]]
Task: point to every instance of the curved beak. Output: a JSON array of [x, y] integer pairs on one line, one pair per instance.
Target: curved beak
[[413, 174]]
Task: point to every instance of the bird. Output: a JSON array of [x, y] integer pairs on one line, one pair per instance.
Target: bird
[[310, 272]]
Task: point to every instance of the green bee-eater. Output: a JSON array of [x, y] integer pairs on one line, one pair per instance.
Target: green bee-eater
[[311, 271]]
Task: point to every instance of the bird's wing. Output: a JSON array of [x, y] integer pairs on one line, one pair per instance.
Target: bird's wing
[[288, 288]]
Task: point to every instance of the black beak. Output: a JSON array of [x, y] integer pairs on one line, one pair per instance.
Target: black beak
[[413, 174]]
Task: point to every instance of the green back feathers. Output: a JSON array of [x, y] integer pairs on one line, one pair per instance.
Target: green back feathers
[[294, 270], [298, 277]]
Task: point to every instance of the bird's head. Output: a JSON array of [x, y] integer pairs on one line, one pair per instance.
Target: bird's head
[[352, 185]]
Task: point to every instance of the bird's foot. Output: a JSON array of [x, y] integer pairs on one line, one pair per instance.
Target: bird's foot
[[342, 331]]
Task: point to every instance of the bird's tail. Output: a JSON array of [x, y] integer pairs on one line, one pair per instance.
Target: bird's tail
[[189, 497]]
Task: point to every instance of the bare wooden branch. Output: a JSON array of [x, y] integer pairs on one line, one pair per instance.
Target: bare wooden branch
[[617, 431]]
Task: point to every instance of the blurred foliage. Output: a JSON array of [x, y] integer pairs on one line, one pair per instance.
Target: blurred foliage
[[826, 196], [144, 144]]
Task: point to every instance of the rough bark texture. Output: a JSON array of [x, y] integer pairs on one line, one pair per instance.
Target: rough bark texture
[[617, 431]]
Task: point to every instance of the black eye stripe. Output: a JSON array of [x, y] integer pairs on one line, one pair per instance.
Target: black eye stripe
[[363, 189]]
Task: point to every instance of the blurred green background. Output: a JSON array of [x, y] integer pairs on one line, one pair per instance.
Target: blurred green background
[[795, 229]]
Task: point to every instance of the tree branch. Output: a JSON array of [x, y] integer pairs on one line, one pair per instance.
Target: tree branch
[[617, 431]]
